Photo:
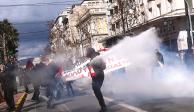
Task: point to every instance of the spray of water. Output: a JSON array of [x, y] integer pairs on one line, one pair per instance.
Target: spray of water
[[142, 79]]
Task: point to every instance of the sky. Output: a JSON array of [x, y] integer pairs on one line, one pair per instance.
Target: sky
[[31, 45]]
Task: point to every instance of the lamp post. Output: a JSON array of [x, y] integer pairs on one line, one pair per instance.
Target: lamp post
[[189, 24]]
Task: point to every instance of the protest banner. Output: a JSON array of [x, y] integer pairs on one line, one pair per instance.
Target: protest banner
[[82, 71]]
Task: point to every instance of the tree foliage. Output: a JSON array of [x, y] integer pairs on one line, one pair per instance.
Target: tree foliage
[[10, 36]]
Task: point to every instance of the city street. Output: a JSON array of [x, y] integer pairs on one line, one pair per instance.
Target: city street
[[80, 103], [169, 105], [86, 102], [182, 104]]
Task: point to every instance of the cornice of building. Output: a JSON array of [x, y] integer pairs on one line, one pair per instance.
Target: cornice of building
[[175, 13], [88, 14], [86, 0]]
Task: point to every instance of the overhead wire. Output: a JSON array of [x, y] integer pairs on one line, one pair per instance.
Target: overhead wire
[[24, 33], [33, 22], [40, 4]]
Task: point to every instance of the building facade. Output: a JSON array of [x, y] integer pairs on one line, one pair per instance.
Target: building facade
[[57, 30], [168, 16], [80, 27], [92, 25]]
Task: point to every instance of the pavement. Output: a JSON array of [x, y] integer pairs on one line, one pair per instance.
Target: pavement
[[19, 100]]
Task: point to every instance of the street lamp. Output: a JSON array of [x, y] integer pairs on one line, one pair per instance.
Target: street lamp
[[189, 23]]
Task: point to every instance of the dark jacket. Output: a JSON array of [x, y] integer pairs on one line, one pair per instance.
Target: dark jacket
[[160, 58], [8, 76], [38, 74]]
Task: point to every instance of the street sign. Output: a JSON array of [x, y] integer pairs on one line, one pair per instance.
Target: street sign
[[182, 41]]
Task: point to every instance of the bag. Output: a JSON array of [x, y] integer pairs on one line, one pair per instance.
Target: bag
[[91, 71]]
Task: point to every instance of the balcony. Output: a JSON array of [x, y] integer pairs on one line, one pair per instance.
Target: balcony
[[97, 11], [115, 17]]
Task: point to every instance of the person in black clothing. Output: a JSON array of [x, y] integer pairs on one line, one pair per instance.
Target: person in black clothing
[[38, 77], [98, 66], [69, 66], [8, 85], [51, 84], [189, 59], [69, 87], [160, 59], [35, 82], [29, 67]]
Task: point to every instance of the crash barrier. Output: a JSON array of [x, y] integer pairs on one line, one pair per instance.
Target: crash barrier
[[83, 70]]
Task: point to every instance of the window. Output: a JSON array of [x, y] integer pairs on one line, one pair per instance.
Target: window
[[111, 12], [159, 12], [170, 1], [150, 13], [118, 25], [150, 10], [89, 3], [140, 1], [141, 4], [131, 0], [143, 16], [113, 27], [97, 3], [169, 5], [116, 9], [110, 1]]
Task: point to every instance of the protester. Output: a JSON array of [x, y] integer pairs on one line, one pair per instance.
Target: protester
[[159, 59], [59, 81], [52, 84], [69, 66], [8, 85], [1, 81], [189, 59], [69, 87], [38, 74], [157, 70], [98, 66], [29, 67]]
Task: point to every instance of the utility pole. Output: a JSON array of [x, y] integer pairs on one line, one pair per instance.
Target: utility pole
[[121, 4], [189, 25], [4, 49]]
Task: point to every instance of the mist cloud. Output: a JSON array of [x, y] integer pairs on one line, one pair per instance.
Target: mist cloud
[[142, 79]]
